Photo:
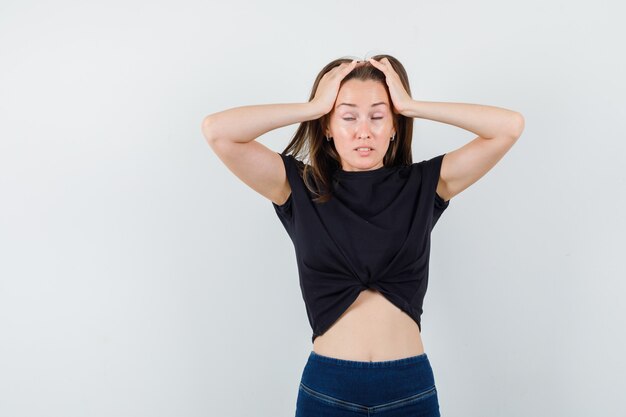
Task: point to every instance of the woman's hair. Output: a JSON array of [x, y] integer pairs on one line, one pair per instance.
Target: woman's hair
[[323, 157]]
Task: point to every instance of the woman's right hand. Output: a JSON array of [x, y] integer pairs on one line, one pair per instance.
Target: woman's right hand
[[328, 87]]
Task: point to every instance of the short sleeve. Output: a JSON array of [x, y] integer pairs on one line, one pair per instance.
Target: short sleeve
[[431, 170], [285, 212]]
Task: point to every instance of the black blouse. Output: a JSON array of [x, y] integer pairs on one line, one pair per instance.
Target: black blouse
[[373, 233]]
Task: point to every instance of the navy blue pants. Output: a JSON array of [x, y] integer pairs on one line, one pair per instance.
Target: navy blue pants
[[332, 387]]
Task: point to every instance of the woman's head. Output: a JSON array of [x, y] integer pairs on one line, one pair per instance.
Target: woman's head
[[363, 115], [362, 118]]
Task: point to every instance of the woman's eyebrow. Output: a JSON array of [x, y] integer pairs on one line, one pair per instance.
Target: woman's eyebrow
[[354, 105]]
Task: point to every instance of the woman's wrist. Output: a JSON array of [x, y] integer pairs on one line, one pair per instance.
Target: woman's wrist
[[412, 109], [315, 110]]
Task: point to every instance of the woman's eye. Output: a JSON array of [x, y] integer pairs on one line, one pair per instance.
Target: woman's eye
[[352, 118]]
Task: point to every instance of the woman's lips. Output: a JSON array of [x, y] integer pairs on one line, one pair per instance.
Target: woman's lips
[[364, 152]]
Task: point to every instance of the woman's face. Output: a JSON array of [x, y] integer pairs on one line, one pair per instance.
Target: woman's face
[[362, 118]]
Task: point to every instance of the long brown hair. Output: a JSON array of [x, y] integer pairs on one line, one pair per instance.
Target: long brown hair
[[323, 157]]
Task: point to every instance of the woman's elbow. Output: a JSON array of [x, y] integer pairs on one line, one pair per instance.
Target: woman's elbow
[[517, 124], [208, 129]]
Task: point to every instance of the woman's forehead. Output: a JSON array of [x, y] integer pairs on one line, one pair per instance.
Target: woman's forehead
[[360, 92]]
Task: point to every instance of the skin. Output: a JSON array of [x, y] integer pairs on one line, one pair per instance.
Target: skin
[[371, 329], [364, 122]]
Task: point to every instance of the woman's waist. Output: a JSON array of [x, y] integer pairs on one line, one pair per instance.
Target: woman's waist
[[363, 335]]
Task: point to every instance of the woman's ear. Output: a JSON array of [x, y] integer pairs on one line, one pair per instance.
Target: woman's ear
[[325, 125]]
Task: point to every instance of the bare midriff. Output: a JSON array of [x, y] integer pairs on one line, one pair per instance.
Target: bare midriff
[[372, 329]]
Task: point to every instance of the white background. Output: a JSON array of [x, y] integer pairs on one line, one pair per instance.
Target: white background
[[140, 277]]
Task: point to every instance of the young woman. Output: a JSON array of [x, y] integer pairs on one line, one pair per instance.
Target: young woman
[[360, 214]]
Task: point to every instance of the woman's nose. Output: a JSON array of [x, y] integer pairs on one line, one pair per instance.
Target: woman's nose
[[363, 130]]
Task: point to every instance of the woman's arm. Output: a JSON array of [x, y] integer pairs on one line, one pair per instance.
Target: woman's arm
[[231, 134], [488, 122], [244, 124], [498, 129]]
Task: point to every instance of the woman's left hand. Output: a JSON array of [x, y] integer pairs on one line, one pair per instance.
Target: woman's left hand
[[400, 98]]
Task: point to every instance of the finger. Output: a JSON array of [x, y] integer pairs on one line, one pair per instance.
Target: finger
[[385, 66], [349, 66], [378, 64], [340, 68], [345, 65]]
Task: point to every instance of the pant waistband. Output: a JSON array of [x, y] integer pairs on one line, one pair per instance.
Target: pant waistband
[[313, 356]]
